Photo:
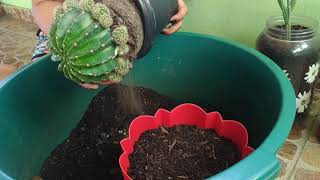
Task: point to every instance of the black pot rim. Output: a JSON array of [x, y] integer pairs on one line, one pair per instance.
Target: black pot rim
[[149, 25]]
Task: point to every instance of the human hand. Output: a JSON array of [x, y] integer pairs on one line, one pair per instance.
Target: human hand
[[96, 86], [177, 19], [113, 80]]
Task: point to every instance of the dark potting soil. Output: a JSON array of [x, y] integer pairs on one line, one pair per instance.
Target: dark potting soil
[[293, 27], [92, 149], [181, 152]]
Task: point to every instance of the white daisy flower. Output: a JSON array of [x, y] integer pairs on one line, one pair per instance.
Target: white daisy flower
[[312, 74], [286, 73], [302, 101]]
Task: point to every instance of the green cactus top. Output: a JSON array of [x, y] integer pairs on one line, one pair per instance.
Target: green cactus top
[[88, 49]]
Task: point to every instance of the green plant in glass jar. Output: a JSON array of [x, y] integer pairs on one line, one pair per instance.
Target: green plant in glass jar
[[293, 43]]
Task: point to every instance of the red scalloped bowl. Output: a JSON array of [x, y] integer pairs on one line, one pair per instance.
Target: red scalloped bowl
[[184, 114]]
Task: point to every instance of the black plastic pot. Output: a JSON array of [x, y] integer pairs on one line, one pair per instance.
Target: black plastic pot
[[156, 15]]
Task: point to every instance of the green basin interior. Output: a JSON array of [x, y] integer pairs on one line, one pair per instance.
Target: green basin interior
[[39, 107]]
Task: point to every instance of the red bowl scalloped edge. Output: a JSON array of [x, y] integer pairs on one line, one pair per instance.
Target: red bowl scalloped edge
[[184, 114]]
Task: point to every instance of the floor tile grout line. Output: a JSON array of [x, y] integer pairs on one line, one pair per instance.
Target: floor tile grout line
[[302, 148], [298, 158], [11, 31], [8, 30]]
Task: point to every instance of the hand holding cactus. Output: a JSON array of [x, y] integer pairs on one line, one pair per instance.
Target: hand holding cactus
[[89, 47], [95, 43]]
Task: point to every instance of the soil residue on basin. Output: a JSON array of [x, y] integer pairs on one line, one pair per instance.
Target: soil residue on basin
[[92, 150]]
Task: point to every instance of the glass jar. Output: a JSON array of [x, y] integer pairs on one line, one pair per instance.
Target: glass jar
[[297, 56]]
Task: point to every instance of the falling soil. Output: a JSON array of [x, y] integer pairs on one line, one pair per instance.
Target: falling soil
[[181, 152], [92, 149]]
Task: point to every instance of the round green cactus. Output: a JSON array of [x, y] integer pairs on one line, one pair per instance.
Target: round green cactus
[[70, 3], [106, 21], [122, 66], [56, 58], [124, 49], [58, 12], [99, 10], [84, 47], [114, 77], [86, 5], [102, 13], [120, 35]]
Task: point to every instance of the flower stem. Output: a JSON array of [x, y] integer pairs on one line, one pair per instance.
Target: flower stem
[[288, 24]]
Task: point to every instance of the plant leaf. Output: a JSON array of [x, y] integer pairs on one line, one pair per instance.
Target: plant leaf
[[284, 11]]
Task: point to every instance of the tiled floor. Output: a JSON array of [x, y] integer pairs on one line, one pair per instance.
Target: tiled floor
[[17, 40], [300, 155]]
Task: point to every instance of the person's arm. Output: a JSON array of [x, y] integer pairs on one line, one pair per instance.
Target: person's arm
[[42, 11], [178, 18]]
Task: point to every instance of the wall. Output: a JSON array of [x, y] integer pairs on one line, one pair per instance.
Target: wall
[[239, 20], [19, 3]]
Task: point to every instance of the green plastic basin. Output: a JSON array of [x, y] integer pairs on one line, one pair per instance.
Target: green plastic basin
[[39, 107]]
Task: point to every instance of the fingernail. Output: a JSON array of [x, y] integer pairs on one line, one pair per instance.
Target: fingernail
[[169, 25], [106, 82]]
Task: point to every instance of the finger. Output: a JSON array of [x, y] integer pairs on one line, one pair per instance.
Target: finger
[[173, 28], [90, 86], [182, 12], [107, 82]]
